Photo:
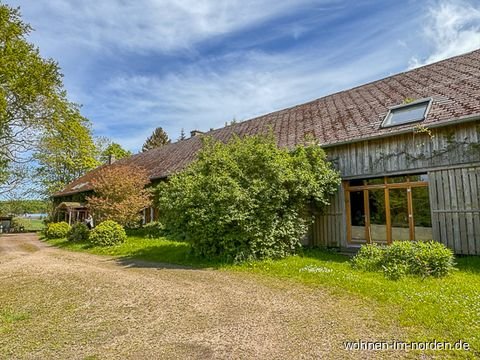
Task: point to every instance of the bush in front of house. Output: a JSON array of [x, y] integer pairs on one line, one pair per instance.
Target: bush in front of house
[[369, 258], [402, 258], [431, 259], [57, 230], [107, 233], [78, 233], [153, 230], [247, 198]]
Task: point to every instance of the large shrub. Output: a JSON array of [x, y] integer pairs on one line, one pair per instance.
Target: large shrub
[[57, 230], [107, 233], [78, 233], [247, 198], [402, 258]]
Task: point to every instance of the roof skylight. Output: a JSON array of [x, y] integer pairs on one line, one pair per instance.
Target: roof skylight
[[407, 113]]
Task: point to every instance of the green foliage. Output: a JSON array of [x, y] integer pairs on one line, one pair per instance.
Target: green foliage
[[402, 258], [18, 225], [107, 233], [57, 230], [429, 258], [158, 139], [78, 233], [246, 198], [18, 207], [368, 258], [66, 149], [30, 91], [152, 230], [115, 151]]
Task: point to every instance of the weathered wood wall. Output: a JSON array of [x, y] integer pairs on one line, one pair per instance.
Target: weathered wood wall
[[455, 205], [453, 145], [329, 229], [448, 154]]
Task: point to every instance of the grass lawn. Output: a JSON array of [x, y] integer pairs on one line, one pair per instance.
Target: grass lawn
[[446, 309]]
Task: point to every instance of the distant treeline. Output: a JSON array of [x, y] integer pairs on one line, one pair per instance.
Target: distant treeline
[[19, 207]]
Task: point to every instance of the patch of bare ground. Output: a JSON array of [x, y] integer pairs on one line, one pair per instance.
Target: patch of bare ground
[[81, 306]]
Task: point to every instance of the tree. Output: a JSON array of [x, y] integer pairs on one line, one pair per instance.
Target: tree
[[158, 138], [247, 198], [66, 149], [120, 194], [182, 134], [29, 85], [113, 150]]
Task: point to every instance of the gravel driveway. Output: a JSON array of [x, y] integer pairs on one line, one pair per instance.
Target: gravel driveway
[[61, 304]]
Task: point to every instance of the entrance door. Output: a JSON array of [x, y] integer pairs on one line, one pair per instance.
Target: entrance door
[[386, 209]]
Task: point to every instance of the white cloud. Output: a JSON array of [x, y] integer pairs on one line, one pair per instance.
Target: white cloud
[[451, 28], [202, 97], [158, 25]]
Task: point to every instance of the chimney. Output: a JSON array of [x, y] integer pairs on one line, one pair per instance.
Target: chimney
[[111, 159], [195, 133]]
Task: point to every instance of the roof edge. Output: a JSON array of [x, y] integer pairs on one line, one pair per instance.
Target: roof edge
[[459, 120]]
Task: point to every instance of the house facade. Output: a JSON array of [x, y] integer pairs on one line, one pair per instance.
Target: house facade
[[407, 148]]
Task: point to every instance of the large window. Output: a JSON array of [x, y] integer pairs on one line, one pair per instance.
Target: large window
[[384, 209]]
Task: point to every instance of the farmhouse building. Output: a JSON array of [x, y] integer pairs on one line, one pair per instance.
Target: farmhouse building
[[407, 148]]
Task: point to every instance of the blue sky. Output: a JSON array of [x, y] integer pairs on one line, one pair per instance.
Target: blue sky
[[195, 64]]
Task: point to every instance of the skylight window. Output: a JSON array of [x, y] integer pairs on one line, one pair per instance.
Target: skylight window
[[407, 113]]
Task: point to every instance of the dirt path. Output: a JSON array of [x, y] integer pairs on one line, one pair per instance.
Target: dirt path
[[60, 304]]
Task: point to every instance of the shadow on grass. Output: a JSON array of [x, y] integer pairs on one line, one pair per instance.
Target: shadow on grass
[[468, 263], [323, 254], [171, 256]]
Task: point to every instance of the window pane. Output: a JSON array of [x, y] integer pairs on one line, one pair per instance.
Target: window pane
[[397, 179], [378, 222], [419, 177], [376, 181], [399, 214], [356, 182], [357, 215], [406, 114], [421, 213]]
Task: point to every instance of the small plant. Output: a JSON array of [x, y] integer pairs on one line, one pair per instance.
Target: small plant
[[57, 230], [78, 233], [402, 258], [432, 259], [368, 258], [108, 233]]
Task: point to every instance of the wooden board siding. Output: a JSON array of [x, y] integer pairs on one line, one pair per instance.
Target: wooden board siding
[[455, 204], [414, 152], [329, 229], [448, 157]]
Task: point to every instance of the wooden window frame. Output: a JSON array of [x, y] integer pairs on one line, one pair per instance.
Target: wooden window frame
[[407, 185]]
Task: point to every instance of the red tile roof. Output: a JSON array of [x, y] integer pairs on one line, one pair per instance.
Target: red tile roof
[[350, 115]]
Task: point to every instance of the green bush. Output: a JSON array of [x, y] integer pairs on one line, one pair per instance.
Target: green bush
[[78, 233], [247, 198], [153, 230], [402, 258], [368, 258], [56, 230], [18, 225], [107, 233], [432, 259]]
